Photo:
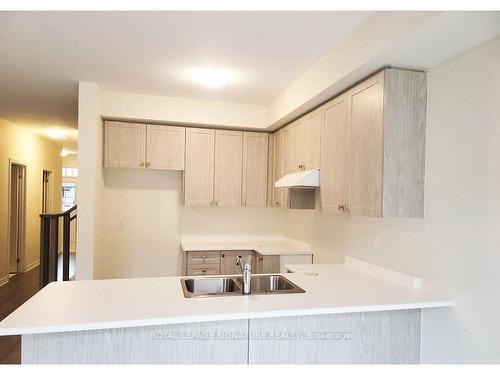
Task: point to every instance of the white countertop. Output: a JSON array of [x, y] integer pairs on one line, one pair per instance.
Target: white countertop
[[100, 304], [264, 245]]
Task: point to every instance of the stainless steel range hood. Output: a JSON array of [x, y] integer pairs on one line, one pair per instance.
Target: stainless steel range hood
[[305, 179]]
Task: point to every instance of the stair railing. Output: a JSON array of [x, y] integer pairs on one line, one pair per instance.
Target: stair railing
[[49, 245]]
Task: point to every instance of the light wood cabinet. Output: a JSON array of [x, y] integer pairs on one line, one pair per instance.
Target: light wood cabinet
[[199, 174], [254, 189], [366, 156], [387, 145], [289, 161], [228, 168], [279, 195], [335, 156], [228, 261], [165, 147], [311, 150], [267, 264], [373, 147], [130, 145], [124, 145]]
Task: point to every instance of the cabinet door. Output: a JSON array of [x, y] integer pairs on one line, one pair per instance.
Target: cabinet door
[[255, 147], [279, 195], [199, 175], [312, 140], [335, 156], [228, 261], [366, 151], [124, 145], [267, 263], [289, 164], [165, 147], [228, 168], [299, 141]]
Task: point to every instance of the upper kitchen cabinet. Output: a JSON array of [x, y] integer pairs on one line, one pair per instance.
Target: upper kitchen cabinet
[[301, 149], [124, 145], [335, 156], [165, 147], [255, 159], [199, 174], [310, 151], [384, 170], [129, 145], [228, 168], [279, 195]]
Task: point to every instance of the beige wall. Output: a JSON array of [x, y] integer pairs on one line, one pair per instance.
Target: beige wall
[[181, 110], [37, 153], [457, 246], [144, 219]]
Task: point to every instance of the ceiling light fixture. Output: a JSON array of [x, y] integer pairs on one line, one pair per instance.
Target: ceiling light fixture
[[212, 78], [66, 152], [56, 134]]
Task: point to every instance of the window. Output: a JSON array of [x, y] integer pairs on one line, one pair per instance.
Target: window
[[70, 172], [68, 195]]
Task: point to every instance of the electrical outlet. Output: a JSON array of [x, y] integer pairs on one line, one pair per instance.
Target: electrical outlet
[[376, 242]]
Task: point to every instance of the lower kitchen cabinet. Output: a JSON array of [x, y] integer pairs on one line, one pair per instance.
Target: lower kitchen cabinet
[[201, 263], [228, 261], [267, 264]]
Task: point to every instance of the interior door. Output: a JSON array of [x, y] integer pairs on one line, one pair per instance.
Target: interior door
[[17, 218], [335, 157], [228, 168], [45, 191]]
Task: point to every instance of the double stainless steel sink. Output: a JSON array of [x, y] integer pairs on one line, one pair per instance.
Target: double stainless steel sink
[[232, 286]]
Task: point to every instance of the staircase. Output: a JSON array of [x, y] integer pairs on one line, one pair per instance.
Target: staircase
[[50, 244]]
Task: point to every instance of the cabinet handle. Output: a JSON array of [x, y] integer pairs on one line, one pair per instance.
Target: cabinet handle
[[204, 257], [141, 164], [148, 164], [223, 255], [203, 271]]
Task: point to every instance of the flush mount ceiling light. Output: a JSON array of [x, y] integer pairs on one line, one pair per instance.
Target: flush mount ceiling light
[[56, 134], [212, 78], [66, 152]]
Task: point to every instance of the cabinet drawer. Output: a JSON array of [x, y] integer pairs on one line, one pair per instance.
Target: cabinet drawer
[[211, 269], [203, 257]]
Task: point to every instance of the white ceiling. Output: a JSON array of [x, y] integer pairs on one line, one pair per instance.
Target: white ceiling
[[43, 55]]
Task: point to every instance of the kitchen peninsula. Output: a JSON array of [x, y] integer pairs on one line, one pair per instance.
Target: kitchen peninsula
[[350, 313]]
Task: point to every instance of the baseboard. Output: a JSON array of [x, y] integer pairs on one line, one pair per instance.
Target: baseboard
[[30, 266], [4, 280]]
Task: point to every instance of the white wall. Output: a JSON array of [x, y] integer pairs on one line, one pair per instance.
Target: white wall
[[181, 110], [91, 182], [456, 247], [144, 219]]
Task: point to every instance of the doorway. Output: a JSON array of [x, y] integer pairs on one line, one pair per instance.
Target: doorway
[[46, 177], [17, 216]]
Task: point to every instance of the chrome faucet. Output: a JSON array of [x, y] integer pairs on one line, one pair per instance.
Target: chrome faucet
[[246, 270]]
